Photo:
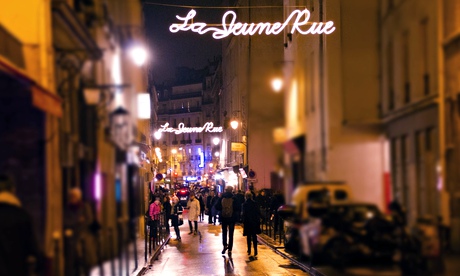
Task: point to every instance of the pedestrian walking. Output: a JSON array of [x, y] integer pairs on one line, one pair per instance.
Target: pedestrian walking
[[18, 242], [209, 205], [176, 209], [167, 211], [227, 207], [263, 202], [251, 222], [193, 207], [80, 251], [239, 203], [202, 206], [215, 212]]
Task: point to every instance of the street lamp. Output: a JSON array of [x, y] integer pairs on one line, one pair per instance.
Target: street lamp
[[277, 84], [234, 124], [138, 54], [216, 141], [157, 135], [174, 152]]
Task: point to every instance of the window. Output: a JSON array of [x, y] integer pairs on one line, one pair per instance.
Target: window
[[391, 4], [406, 61], [390, 78], [424, 48]]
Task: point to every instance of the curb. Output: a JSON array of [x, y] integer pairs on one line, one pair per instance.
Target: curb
[[153, 257], [303, 266]]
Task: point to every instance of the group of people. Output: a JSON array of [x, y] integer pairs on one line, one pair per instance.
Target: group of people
[[227, 209]]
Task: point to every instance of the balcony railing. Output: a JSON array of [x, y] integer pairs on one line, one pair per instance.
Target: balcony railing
[[163, 111]]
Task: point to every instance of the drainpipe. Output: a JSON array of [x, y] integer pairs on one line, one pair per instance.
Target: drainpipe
[[321, 94], [444, 199]]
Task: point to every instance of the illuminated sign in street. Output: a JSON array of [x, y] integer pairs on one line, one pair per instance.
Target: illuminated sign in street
[[207, 127], [298, 19]]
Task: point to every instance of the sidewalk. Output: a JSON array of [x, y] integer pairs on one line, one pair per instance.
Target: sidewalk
[[131, 264]]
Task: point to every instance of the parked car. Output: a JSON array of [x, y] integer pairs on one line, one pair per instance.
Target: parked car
[[342, 234], [331, 192]]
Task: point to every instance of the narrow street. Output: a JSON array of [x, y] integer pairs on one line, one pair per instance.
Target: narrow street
[[201, 255]]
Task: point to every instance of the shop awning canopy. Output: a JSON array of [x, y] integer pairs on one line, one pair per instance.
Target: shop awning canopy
[[42, 98]]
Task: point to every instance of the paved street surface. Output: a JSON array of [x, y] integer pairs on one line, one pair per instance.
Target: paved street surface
[[201, 255]]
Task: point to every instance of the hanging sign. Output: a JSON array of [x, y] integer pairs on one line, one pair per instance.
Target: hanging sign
[[236, 146], [298, 19], [207, 127]]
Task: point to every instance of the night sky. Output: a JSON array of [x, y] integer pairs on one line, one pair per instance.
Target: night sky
[[170, 50]]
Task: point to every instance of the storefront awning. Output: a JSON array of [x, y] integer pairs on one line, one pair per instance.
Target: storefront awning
[[295, 145], [42, 98]]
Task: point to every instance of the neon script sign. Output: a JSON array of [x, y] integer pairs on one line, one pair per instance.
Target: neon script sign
[[298, 19], [207, 127]]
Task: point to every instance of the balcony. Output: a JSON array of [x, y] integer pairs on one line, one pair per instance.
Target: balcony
[[164, 111], [11, 48]]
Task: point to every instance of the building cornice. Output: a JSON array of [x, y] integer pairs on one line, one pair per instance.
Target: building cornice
[[66, 22], [410, 109]]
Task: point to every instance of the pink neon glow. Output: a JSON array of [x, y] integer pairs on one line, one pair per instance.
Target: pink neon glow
[[97, 186]]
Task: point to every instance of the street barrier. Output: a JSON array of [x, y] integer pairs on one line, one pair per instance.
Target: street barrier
[[273, 226]]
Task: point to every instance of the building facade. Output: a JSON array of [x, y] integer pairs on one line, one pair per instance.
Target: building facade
[[450, 66], [189, 156], [53, 55], [248, 64], [331, 101]]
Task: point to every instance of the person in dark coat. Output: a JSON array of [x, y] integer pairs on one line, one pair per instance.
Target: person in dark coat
[[228, 223], [239, 203], [79, 240], [251, 222], [214, 211], [209, 205], [276, 201], [202, 206], [17, 238], [176, 210], [167, 211]]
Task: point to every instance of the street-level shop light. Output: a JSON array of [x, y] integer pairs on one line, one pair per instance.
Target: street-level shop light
[[216, 141]]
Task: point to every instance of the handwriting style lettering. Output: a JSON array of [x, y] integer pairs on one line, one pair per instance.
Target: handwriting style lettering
[[207, 127], [299, 19]]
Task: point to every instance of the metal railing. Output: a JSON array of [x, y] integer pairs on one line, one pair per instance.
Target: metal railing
[[273, 226], [158, 237]]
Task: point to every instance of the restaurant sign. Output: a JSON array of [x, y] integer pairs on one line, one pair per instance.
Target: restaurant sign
[[297, 21]]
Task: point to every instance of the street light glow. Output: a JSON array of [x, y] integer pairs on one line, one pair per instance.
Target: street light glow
[[216, 141], [157, 135], [216, 154], [139, 55], [277, 84], [234, 124], [173, 151]]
